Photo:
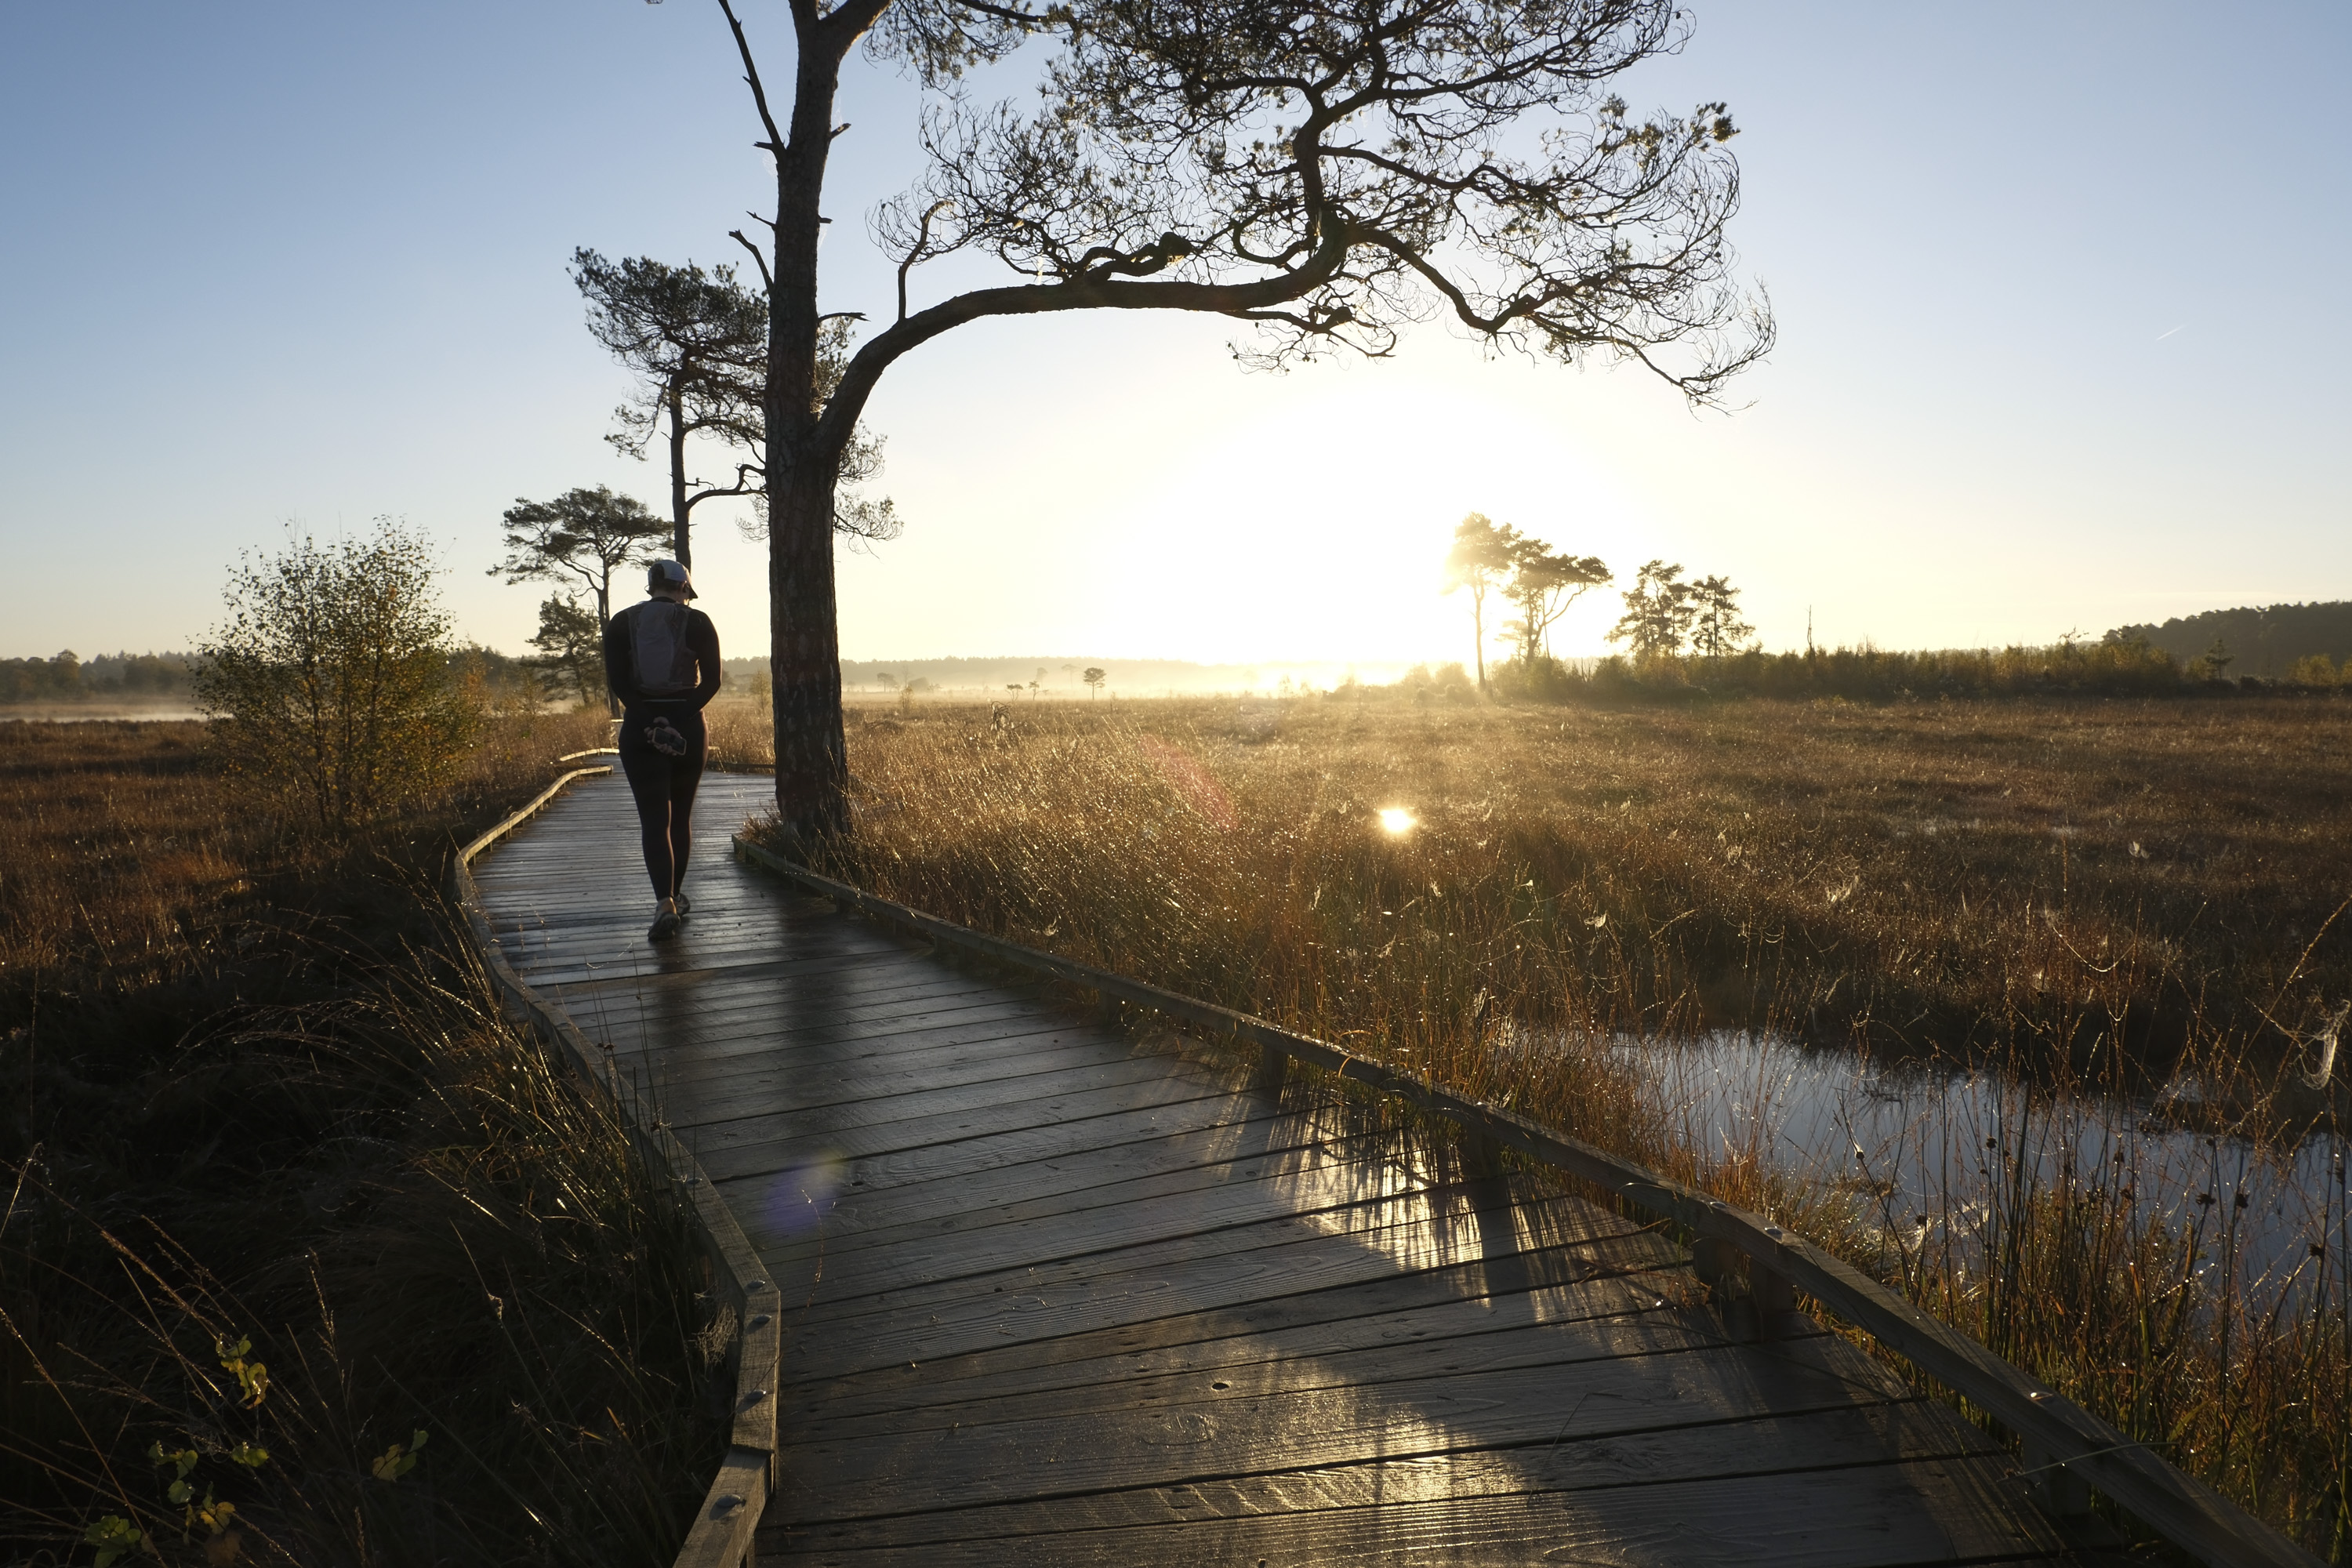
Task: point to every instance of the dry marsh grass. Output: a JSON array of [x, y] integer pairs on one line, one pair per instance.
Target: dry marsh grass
[[2096, 895], [2088, 878], [256, 1092], [127, 860]]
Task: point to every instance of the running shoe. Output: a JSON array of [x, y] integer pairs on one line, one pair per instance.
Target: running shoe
[[665, 925], [684, 905]]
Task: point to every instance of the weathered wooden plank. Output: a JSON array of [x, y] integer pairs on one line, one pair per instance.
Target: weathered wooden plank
[[773, 961], [834, 1099], [978, 1006], [762, 1011], [804, 1062], [1455, 1304], [879, 1313], [875, 1205], [627, 954], [872, 1473], [741, 1003], [1912, 1512], [953, 1113], [891, 1065], [1318, 1200], [1841, 1438], [622, 916], [1512, 1338], [1195, 1113]]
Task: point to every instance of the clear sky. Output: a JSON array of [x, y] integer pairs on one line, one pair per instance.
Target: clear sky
[[2060, 292]]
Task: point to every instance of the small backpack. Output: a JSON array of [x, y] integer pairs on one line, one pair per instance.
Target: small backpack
[[666, 665]]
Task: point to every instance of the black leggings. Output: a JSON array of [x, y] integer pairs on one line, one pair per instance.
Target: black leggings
[[661, 754]]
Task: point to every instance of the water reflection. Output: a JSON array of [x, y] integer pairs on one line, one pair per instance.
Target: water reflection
[[1923, 1145]]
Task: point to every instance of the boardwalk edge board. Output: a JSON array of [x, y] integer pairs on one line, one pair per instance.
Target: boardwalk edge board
[[721, 1534], [2067, 1447]]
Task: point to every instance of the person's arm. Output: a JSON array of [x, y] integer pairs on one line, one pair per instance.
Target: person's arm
[[702, 636], [620, 666]]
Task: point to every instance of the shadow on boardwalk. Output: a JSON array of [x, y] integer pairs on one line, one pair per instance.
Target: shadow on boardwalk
[[1058, 1295]]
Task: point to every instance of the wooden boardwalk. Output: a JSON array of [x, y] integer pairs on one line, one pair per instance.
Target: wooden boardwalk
[[1057, 1295]]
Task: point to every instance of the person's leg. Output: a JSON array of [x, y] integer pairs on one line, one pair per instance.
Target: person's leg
[[648, 773], [685, 777]]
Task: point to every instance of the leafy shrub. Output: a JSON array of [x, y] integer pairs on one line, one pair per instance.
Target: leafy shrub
[[332, 678]]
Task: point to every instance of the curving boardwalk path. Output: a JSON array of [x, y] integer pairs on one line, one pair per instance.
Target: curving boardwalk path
[[1057, 1295]]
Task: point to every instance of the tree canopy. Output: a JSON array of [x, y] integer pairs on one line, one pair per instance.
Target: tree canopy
[[698, 343], [1658, 612], [1481, 558], [583, 536], [1716, 627], [1326, 173], [1544, 583]]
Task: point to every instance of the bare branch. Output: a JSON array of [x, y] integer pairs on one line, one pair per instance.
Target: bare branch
[[920, 248], [767, 283], [775, 142], [1017, 16], [1083, 293]]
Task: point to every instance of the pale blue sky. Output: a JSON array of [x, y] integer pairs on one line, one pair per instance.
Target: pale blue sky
[[269, 263]]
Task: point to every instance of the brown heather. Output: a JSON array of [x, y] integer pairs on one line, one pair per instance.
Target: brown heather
[[2099, 894]]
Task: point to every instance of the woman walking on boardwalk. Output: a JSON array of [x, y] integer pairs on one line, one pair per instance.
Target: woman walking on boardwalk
[[661, 659]]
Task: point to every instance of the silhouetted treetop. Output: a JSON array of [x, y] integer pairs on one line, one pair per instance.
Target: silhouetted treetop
[[1331, 170]]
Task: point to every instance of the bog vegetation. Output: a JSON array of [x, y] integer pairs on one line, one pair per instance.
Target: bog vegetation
[[258, 1098], [308, 1255], [2099, 898]]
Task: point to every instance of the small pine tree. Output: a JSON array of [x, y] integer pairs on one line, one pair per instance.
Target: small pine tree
[[571, 662], [2213, 664], [1658, 612], [1716, 628]]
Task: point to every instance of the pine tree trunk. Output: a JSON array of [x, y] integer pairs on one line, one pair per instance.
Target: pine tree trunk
[[604, 615], [804, 653], [679, 546], [804, 645], [1478, 631]]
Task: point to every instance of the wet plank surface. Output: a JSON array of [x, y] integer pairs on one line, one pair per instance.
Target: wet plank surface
[[1060, 1295]]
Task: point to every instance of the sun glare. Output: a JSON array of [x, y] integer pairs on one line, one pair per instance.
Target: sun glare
[[1396, 819]]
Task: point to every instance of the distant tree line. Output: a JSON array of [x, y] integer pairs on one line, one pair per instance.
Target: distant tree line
[[1688, 638], [2115, 666], [118, 677], [163, 679], [2275, 641]]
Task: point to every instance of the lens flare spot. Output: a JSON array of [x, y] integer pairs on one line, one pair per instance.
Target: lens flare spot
[[800, 1195], [1396, 821]]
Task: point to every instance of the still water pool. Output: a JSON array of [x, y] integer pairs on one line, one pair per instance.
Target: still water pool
[[1925, 1146]]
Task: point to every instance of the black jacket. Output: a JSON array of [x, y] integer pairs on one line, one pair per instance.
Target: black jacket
[[621, 666]]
